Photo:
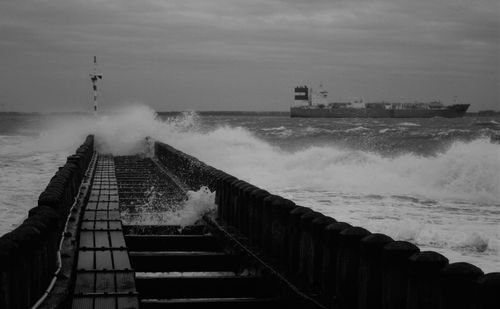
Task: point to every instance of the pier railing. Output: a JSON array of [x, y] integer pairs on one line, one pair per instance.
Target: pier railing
[[347, 266], [29, 253]]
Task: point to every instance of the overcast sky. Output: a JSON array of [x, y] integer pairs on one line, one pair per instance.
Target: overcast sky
[[246, 55]]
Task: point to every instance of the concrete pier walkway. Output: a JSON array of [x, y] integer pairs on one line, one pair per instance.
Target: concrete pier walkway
[[104, 277], [154, 266]]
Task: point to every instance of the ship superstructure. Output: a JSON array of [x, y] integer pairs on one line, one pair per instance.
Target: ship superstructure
[[315, 104]]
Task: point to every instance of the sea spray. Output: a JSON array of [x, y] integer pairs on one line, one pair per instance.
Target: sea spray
[[445, 200], [197, 204], [189, 212], [468, 171]]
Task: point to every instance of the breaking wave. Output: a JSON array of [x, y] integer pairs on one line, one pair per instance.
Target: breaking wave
[[197, 204], [189, 212], [418, 198], [466, 170]]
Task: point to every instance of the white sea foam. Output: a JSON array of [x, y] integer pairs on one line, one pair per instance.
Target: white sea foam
[[467, 171], [356, 129], [452, 131], [25, 169], [274, 129], [408, 124], [197, 204], [282, 132], [311, 131]]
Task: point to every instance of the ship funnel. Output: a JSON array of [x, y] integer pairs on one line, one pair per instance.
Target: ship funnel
[[301, 96]]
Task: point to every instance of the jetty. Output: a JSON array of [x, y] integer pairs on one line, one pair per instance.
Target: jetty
[[76, 250]]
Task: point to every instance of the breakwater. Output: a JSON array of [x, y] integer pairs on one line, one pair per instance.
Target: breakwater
[[336, 264], [346, 266], [29, 257]]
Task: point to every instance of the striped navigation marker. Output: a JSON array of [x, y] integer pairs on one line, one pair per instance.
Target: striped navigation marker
[[94, 77]]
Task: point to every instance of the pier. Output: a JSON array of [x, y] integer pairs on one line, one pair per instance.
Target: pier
[[76, 250]]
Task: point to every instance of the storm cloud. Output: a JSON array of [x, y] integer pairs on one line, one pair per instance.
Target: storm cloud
[[246, 55]]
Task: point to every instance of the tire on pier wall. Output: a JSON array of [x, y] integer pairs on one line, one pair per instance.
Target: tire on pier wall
[[344, 266], [28, 254]]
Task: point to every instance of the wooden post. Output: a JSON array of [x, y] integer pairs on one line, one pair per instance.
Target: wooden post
[[279, 228], [370, 272], [218, 193], [233, 202], [239, 204], [486, 293], [225, 196], [9, 252], [348, 265], [330, 252], [306, 244], [256, 204], [318, 239], [457, 285], [24, 264], [423, 284], [395, 265], [39, 256], [50, 218], [294, 237], [246, 209], [267, 221]]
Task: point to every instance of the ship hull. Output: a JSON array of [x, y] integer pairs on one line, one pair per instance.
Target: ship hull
[[452, 111]]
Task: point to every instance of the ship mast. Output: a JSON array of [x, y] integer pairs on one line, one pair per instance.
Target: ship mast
[[94, 77]]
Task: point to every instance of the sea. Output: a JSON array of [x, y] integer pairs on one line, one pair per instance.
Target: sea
[[433, 182]]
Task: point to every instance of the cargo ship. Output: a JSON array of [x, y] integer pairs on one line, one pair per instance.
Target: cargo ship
[[309, 104]]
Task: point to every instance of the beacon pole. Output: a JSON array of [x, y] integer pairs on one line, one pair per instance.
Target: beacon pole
[[94, 77]]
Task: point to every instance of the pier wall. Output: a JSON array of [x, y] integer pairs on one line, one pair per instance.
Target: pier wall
[[345, 266], [28, 254], [189, 169]]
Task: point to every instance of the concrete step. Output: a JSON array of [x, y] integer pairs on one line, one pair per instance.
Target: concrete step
[[172, 243], [209, 303], [202, 286], [163, 230], [164, 261]]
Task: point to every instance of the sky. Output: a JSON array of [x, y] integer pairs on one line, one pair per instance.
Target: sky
[[246, 54]]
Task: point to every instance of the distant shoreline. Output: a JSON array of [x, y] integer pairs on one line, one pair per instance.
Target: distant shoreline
[[230, 113], [223, 113], [166, 113]]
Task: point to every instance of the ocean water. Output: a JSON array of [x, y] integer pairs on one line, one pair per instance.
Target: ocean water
[[434, 182]]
